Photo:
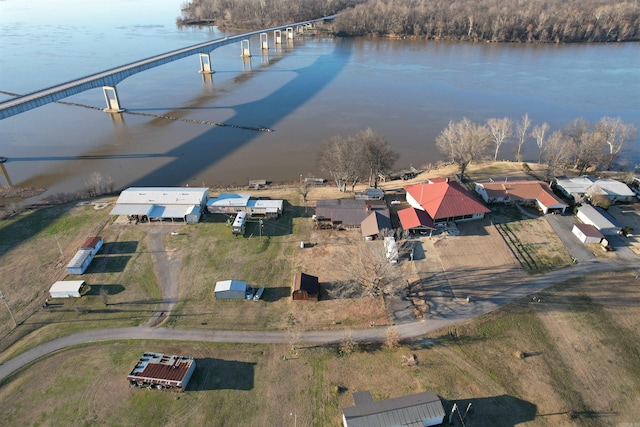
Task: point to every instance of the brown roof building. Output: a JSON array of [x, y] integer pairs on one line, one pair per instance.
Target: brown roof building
[[534, 193], [305, 288], [156, 370]]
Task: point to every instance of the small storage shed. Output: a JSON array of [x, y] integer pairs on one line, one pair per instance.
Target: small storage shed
[[94, 243], [67, 289], [230, 289], [305, 288], [587, 233], [80, 261]]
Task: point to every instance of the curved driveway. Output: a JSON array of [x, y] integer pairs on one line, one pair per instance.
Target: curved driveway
[[407, 330]]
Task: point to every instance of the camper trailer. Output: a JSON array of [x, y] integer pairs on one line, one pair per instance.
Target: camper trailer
[[238, 223]]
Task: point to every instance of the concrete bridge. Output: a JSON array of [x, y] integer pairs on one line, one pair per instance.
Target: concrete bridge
[[110, 78]]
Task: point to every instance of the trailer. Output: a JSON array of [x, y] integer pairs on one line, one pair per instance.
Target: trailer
[[238, 224]]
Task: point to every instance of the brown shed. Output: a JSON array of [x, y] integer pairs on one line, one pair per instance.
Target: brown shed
[[305, 288]]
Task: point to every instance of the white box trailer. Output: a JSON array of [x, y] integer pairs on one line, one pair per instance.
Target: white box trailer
[[67, 289]]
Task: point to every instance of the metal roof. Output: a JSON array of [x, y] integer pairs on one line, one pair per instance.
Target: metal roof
[[375, 223], [598, 218], [400, 411], [131, 209], [66, 286], [230, 285], [79, 258], [163, 195], [445, 199], [160, 367], [170, 211], [229, 200], [92, 242]]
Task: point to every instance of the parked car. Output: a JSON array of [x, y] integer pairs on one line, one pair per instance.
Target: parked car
[[250, 292]]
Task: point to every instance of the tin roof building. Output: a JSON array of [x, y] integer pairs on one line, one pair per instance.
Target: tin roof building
[[421, 409], [156, 370]]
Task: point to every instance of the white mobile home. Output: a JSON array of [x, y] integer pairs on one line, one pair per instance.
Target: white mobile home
[[239, 223], [66, 289], [80, 261], [230, 289], [587, 233]]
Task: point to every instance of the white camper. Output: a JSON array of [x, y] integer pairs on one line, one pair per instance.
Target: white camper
[[239, 223]]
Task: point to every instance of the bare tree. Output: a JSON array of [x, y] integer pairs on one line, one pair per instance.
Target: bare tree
[[539, 132], [378, 156], [334, 158], [615, 135], [558, 153], [463, 142], [588, 149], [522, 131], [501, 131], [370, 267]]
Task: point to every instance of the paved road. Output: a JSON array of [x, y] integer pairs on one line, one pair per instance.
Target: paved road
[[562, 225], [456, 315]]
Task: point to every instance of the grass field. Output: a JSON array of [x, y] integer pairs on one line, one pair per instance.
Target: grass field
[[579, 368]]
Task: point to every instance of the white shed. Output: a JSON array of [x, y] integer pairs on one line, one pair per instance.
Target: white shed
[[587, 233], [230, 289], [66, 289]]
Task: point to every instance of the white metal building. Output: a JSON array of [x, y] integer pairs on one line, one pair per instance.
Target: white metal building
[[156, 203], [230, 289], [67, 289], [603, 222]]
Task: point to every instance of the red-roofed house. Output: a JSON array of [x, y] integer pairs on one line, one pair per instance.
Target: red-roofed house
[[534, 193], [445, 201]]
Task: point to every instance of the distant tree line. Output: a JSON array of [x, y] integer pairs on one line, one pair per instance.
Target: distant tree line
[[256, 14], [541, 21], [580, 145], [557, 21]]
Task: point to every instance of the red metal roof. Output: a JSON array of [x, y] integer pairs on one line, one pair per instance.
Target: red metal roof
[[91, 242], [412, 218], [445, 199], [171, 368]]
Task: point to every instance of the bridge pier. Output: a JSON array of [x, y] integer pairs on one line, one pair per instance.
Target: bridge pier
[[264, 42], [289, 31], [5, 174], [245, 48], [111, 96], [205, 64], [277, 37]]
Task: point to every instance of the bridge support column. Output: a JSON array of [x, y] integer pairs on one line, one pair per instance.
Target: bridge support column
[[205, 64], [111, 96], [264, 41], [289, 31], [245, 48], [5, 174], [277, 37]]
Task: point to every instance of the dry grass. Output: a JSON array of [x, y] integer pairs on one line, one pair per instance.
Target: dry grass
[[581, 344]]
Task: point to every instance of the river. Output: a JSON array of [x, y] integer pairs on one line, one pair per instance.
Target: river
[[307, 92]]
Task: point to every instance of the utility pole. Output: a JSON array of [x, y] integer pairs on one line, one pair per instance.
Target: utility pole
[[260, 226], [8, 308], [59, 247]]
